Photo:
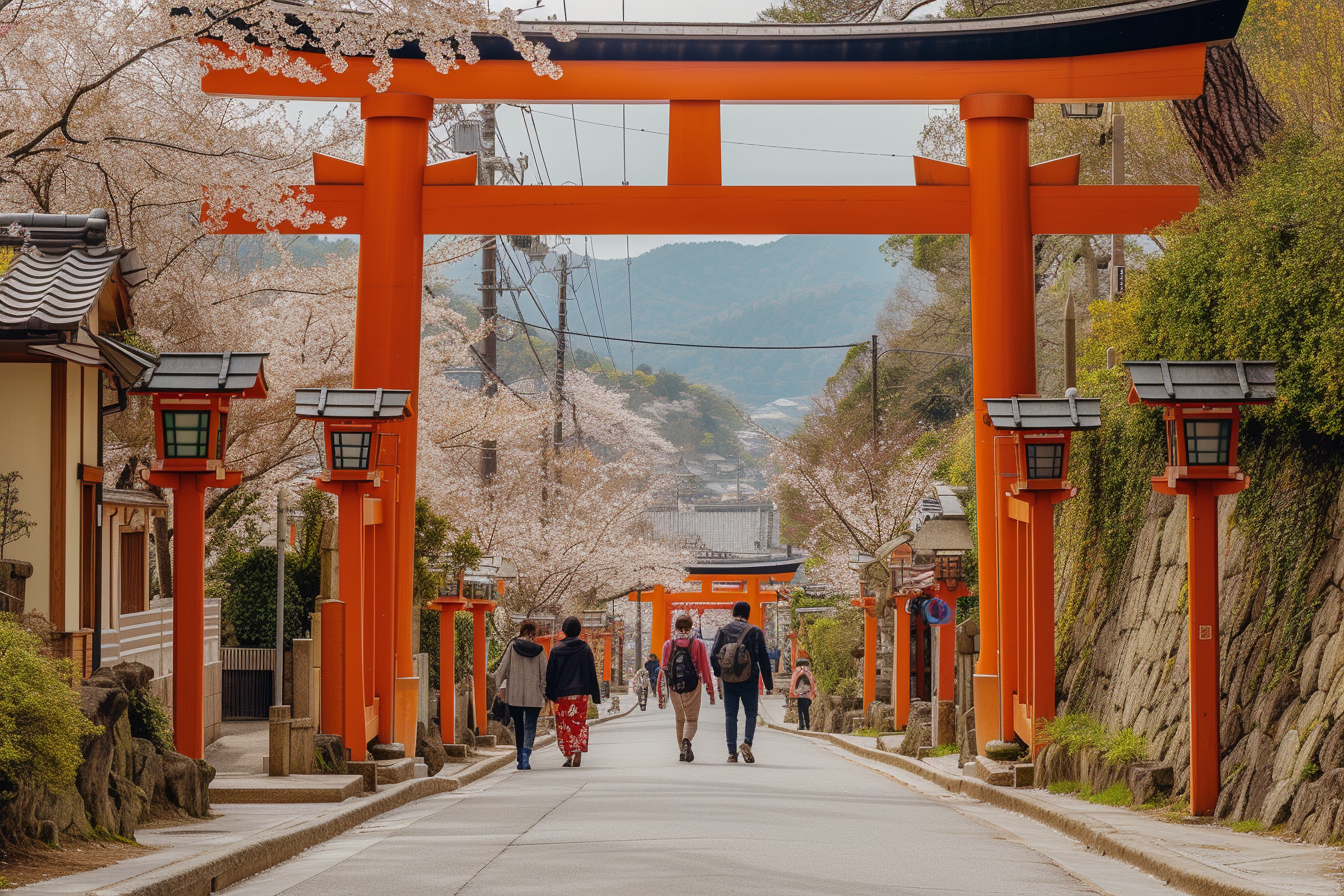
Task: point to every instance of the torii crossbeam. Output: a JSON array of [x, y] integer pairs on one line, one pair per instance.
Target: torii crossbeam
[[995, 69]]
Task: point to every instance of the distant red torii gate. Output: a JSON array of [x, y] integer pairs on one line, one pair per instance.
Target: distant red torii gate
[[1122, 53]]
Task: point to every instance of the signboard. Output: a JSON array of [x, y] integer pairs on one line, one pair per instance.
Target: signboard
[[734, 587]]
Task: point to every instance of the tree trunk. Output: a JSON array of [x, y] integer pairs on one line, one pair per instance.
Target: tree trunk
[[1228, 125], [163, 556]]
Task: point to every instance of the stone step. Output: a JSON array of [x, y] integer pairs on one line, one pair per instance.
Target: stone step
[[485, 741], [394, 771], [229, 789]]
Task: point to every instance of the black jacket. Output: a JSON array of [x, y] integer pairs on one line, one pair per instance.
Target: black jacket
[[571, 671], [755, 644]]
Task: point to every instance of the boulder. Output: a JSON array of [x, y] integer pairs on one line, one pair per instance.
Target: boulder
[[1004, 750], [430, 749], [105, 707], [378, 752], [1147, 780], [331, 754], [147, 772], [186, 783], [966, 737], [918, 729], [503, 736]]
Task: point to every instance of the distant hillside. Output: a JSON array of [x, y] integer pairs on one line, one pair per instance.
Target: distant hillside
[[796, 290]]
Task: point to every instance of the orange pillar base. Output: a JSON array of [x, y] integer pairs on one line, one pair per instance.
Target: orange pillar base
[[478, 670], [447, 676], [333, 677]]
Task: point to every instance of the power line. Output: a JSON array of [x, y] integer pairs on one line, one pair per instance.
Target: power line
[[755, 348], [844, 152]]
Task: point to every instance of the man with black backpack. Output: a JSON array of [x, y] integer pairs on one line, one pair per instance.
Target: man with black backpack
[[740, 659], [684, 672]]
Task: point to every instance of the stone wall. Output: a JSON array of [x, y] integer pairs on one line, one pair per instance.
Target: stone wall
[[1125, 658]]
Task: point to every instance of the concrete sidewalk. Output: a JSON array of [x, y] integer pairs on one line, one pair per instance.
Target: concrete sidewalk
[[1199, 858]]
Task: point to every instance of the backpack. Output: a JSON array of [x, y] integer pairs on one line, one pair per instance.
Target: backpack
[[735, 659], [681, 675], [804, 687]]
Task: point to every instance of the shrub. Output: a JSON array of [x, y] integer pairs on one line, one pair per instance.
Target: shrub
[[1126, 746], [149, 720], [592, 711], [943, 750], [248, 581], [1059, 787], [831, 644], [1247, 826], [1074, 731], [40, 720]]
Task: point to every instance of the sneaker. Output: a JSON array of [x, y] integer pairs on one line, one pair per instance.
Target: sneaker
[[578, 758], [732, 757], [686, 751], [569, 762], [745, 750], [682, 756]]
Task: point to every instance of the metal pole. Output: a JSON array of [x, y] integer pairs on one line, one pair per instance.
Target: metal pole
[[278, 698], [489, 305], [874, 389], [1117, 177], [1070, 344]]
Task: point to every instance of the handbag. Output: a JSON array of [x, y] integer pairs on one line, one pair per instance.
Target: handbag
[[499, 709]]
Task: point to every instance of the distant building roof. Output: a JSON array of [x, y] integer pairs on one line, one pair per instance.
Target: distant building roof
[[725, 528], [1202, 382], [950, 503], [235, 373], [358, 404], [133, 497], [943, 535], [1068, 413]]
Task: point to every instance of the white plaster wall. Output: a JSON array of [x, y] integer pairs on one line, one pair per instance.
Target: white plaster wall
[[25, 409]]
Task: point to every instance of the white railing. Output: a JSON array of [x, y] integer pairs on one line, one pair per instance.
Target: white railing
[[148, 638]]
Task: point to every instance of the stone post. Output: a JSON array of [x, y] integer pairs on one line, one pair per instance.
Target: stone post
[[279, 749]]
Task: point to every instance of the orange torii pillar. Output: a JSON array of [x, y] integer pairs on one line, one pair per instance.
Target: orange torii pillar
[[870, 621], [903, 630], [448, 608]]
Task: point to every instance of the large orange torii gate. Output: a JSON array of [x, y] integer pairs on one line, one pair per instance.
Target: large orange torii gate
[[995, 70]]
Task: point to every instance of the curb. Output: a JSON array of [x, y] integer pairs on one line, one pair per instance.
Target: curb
[[1184, 874], [216, 869]]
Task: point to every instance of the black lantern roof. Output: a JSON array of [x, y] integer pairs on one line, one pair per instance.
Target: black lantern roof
[[233, 373], [352, 404], [1202, 382], [1067, 413]]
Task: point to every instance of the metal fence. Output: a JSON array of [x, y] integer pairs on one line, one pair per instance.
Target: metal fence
[[249, 682]]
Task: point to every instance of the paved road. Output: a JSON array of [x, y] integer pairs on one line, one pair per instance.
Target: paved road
[[802, 820]]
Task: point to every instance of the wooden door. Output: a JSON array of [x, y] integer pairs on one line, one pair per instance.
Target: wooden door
[[133, 585]]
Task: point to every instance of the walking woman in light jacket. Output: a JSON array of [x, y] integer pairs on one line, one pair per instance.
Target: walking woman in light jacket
[[523, 672]]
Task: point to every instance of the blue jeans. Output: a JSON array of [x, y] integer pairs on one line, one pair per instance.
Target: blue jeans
[[524, 726], [750, 700]]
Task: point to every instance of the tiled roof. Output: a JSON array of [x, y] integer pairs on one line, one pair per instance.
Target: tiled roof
[[736, 529], [54, 292], [1070, 412], [211, 372], [943, 535], [362, 404], [1214, 382]]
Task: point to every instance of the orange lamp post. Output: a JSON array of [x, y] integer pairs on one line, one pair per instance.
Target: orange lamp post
[[192, 395], [1201, 407], [940, 544], [353, 692], [1038, 446]]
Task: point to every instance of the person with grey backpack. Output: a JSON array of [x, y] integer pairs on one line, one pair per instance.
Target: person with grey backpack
[[741, 662]]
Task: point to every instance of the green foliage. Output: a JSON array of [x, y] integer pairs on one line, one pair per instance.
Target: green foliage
[[1126, 746], [1060, 787], [943, 750], [1074, 731], [248, 583], [866, 732], [830, 644], [41, 724], [436, 557], [1257, 275], [1077, 730], [1247, 826], [1309, 771], [1115, 795], [592, 711], [149, 719]]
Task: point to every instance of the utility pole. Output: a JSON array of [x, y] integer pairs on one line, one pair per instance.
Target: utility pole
[[1117, 177], [1070, 345], [281, 537], [560, 354], [873, 352], [485, 176]]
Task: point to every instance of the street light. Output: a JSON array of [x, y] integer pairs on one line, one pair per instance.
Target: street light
[[1201, 406]]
